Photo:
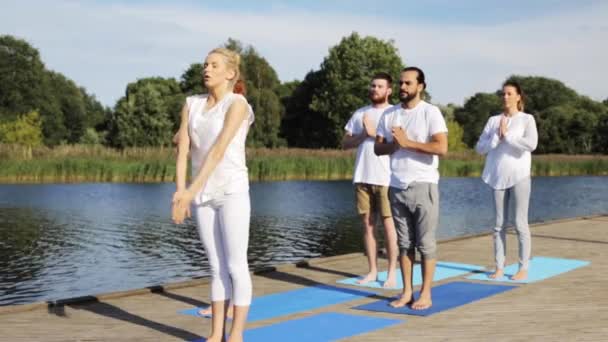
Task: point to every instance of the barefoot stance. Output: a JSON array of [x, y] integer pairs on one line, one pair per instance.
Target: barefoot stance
[[403, 300], [497, 274], [369, 277], [520, 275], [423, 303], [390, 282]]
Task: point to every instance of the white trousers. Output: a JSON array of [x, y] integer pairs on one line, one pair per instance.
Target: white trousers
[[223, 226]]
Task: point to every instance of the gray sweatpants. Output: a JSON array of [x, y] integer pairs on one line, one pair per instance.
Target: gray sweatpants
[[416, 216], [521, 196]]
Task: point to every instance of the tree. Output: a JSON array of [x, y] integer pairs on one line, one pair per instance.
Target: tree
[[25, 130], [146, 115], [602, 133], [455, 134], [192, 80], [26, 85], [322, 104], [21, 77], [345, 75], [474, 115], [302, 126], [71, 102]]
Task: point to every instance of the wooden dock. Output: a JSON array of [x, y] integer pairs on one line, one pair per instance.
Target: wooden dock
[[569, 307]]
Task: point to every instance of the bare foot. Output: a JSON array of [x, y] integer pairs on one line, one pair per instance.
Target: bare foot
[[391, 281], [520, 275], [207, 312], [403, 300], [423, 303], [371, 276], [499, 273]]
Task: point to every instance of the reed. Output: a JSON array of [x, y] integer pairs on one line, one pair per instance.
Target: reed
[[79, 163]]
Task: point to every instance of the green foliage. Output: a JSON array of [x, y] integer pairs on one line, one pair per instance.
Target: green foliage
[[26, 85], [262, 85], [302, 126], [146, 116], [474, 114], [21, 72], [455, 135], [92, 137], [191, 81], [71, 104], [25, 130], [308, 113], [344, 80]]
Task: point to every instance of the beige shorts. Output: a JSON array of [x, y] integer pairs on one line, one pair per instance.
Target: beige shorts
[[372, 198]]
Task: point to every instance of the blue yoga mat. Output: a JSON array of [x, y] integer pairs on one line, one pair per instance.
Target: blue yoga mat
[[442, 271], [327, 326], [289, 302], [445, 297], [540, 268]]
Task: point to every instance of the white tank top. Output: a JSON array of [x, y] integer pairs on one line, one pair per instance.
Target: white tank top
[[230, 175]]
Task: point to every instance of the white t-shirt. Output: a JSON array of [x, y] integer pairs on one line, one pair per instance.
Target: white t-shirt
[[230, 175], [369, 168], [509, 160], [420, 124]]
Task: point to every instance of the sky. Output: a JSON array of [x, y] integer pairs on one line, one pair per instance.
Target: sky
[[464, 47]]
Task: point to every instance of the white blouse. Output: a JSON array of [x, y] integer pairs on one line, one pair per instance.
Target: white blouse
[[230, 175], [509, 160]]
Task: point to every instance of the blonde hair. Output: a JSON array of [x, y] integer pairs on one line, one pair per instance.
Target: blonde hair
[[233, 61]]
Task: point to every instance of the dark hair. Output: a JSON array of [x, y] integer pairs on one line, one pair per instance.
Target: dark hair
[[519, 91], [419, 77], [383, 76]]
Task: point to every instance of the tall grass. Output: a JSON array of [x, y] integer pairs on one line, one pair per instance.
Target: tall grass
[[80, 163]]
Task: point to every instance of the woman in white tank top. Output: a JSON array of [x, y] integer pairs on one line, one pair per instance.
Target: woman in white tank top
[[213, 130]]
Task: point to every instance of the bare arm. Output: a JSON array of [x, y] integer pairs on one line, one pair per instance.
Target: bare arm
[[382, 147], [437, 146], [183, 145], [352, 141]]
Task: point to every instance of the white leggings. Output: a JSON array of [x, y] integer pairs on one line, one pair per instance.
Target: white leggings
[[223, 226], [521, 195]]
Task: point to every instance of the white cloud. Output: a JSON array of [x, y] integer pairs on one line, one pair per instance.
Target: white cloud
[[103, 47]]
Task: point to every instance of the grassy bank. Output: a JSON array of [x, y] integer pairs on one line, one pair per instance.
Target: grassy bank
[[99, 164]]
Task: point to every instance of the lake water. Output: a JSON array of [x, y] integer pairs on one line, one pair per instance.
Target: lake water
[[66, 240]]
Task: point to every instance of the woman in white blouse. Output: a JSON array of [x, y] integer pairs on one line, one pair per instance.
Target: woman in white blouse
[[213, 131], [508, 140]]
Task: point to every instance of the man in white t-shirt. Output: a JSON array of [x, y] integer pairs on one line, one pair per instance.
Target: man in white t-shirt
[[371, 177], [414, 134]]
